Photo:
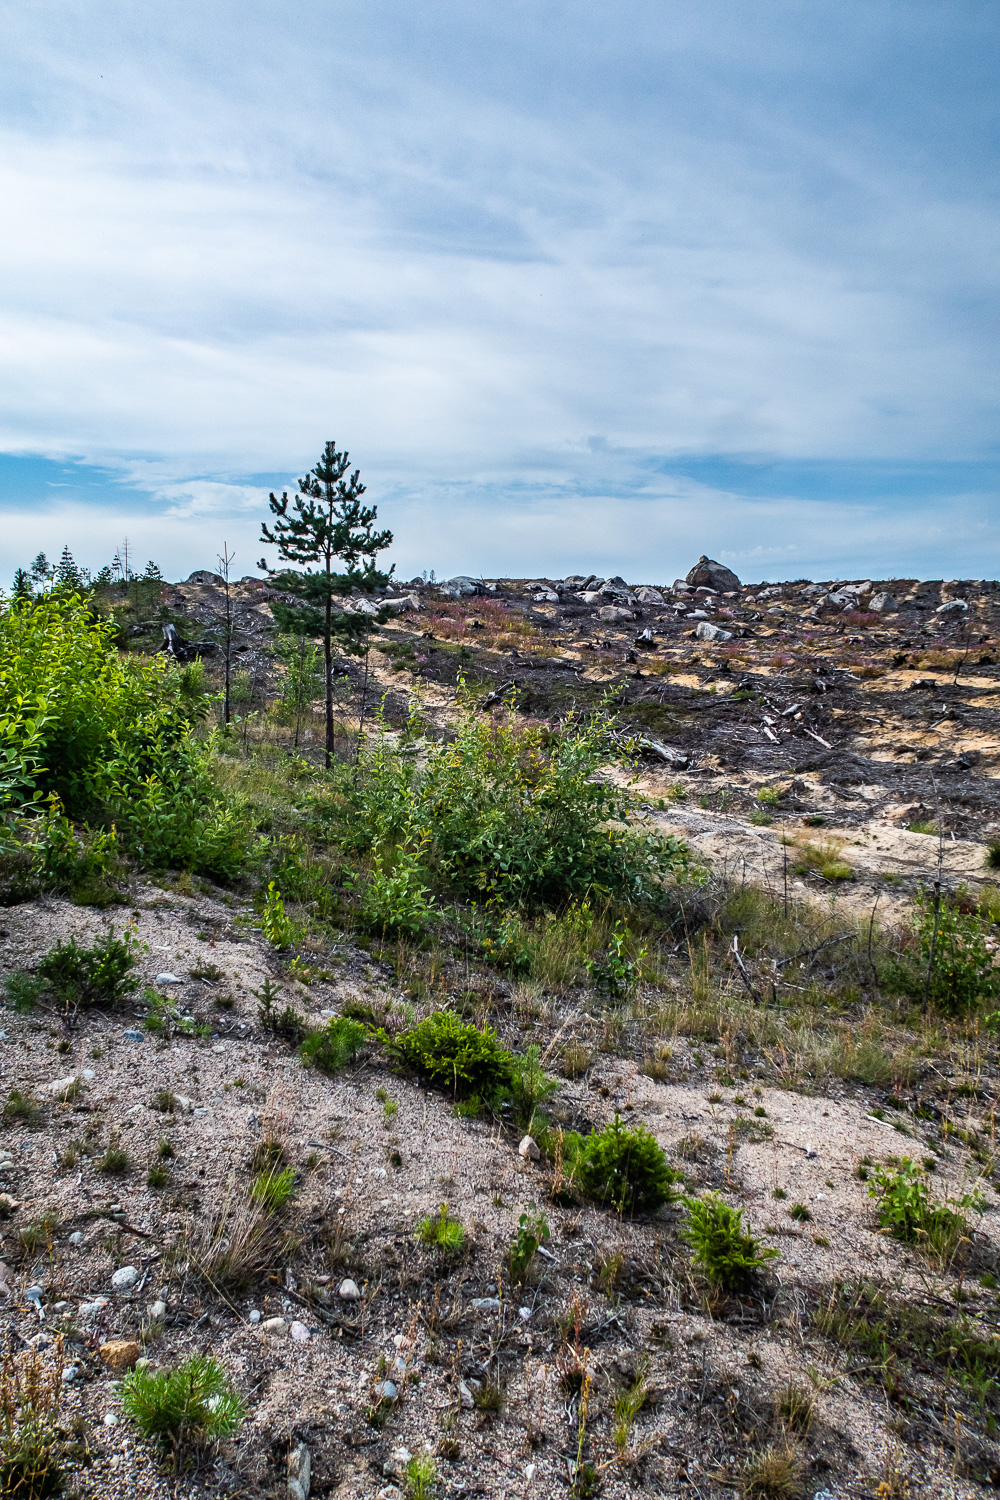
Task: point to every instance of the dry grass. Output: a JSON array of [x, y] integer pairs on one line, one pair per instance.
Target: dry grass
[[776, 1473], [241, 1243], [483, 622]]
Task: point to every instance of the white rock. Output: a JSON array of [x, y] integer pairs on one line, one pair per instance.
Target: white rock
[[70, 1373], [110, 1420], [157, 1309], [389, 1492], [295, 1490], [255, 1316], [524, 1313], [349, 1291], [90, 1310], [124, 1279], [528, 1149], [386, 1391], [167, 978], [60, 1085], [274, 1325], [396, 1462], [486, 1304], [299, 1332], [88, 1075], [709, 632], [465, 1395], [183, 1104], [299, 1472]]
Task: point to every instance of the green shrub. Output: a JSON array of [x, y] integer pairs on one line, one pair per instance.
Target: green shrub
[[273, 1188], [625, 1168], [99, 975], [23, 991], [992, 859], [616, 974], [286, 1023], [419, 1477], [189, 1407], [334, 1045], [953, 946], [515, 813], [278, 927], [726, 1252], [115, 1162], [396, 897], [442, 1232], [455, 1056], [158, 1176], [109, 735], [907, 1210], [530, 1084], [531, 1231]]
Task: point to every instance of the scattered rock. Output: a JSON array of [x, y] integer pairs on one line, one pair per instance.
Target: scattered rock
[[254, 1316], [167, 978], [614, 614], [953, 607], [274, 1325], [707, 573], [76, 1238], [61, 1085], [120, 1354], [706, 631], [386, 1391], [396, 1462], [349, 1291], [528, 1149], [124, 1279], [91, 1310], [299, 1472], [8, 1206], [157, 1310], [486, 1304], [299, 1332], [884, 604]]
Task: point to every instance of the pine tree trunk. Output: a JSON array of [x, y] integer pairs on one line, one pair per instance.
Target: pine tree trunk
[[328, 658]]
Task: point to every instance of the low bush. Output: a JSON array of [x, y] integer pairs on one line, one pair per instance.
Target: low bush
[[622, 1167], [21, 1109], [616, 972], [397, 896], [906, 1209], [333, 1046], [23, 991], [102, 974], [531, 1231], [955, 951], [726, 1252], [189, 1407], [455, 1056]]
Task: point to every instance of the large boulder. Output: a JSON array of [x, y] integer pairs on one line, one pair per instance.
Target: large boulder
[[203, 575], [712, 575]]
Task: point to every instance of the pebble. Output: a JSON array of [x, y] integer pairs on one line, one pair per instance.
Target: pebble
[[299, 1332], [524, 1313], [824, 1495], [389, 1492], [131, 1035], [120, 1354], [486, 1304], [70, 1373], [34, 1294], [88, 1075], [528, 1149], [60, 1085], [399, 1365], [90, 1310], [76, 1238], [299, 1472], [349, 1291], [386, 1391], [157, 1309], [167, 978], [255, 1316], [110, 1420], [274, 1325], [124, 1279], [396, 1462], [465, 1396]]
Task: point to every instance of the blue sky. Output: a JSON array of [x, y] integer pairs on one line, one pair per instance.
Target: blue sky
[[580, 286]]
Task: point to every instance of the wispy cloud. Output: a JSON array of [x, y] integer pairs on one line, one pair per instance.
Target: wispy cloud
[[521, 262]]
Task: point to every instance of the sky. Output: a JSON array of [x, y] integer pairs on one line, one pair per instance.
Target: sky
[[581, 287]]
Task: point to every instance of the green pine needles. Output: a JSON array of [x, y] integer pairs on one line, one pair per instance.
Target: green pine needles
[[455, 1056], [623, 1167], [189, 1407], [726, 1252]]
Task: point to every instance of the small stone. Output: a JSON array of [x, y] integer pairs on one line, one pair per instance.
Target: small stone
[[120, 1354], [528, 1149], [274, 1325], [396, 1462], [70, 1373], [465, 1396], [88, 1075], [824, 1495], [132, 1035], [389, 1492], [8, 1206], [295, 1490], [60, 1085], [110, 1420], [76, 1238], [524, 1313], [91, 1310], [124, 1279], [299, 1332], [386, 1391], [348, 1291], [486, 1304], [157, 1310], [255, 1316], [299, 1472], [183, 1104], [706, 631], [399, 1365], [167, 978]]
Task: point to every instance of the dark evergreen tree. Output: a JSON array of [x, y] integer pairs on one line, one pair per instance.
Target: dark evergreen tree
[[68, 578], [41, 571], [22, 585], [325, 523]]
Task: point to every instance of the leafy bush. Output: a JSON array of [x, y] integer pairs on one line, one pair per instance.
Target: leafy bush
[[396, 896], [616, 974], [278, 927], [191, 1406], [531, 1231], [30, 1467], [442, 1232], [455, 1056], [953, 945], [504, 811], [907, 1210], [333, 1046], [530, 1084], [419, 1476], [624, 1167], [108, 735], [726, 1252], [98, 975]]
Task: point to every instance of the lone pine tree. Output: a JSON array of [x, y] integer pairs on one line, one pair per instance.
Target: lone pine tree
[[322, 524]]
